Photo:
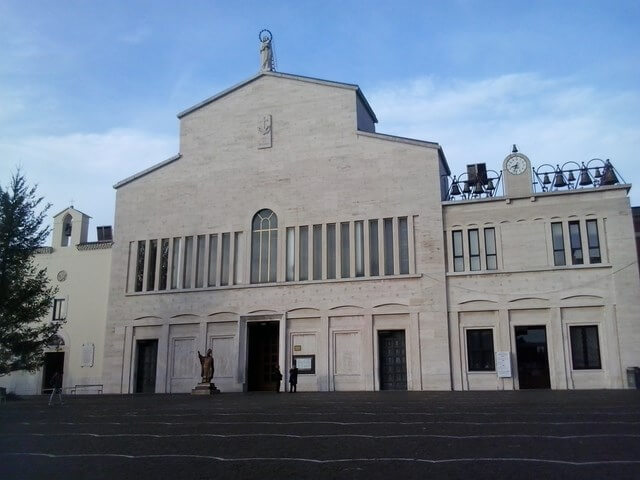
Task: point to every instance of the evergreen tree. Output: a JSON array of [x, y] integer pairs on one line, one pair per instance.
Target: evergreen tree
[[25, 293]]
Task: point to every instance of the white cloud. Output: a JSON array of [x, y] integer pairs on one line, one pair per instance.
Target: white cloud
[[551, 120], [84, 166]]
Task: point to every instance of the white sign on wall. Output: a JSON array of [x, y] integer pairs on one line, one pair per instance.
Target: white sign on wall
[[87, 354], [503, 364]]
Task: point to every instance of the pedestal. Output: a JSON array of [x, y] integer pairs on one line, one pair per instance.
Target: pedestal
[[205, 389]]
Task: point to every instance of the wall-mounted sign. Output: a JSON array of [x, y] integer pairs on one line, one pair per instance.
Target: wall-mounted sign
[[87, 354], [503, 364], [306, 364], [297, 348]]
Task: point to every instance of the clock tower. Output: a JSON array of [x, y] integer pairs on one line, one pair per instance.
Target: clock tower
[[518, 178]]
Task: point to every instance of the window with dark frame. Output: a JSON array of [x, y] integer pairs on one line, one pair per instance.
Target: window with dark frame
[[575, 239], [491, 255], [403, 244], [264, 249], [374, 253], [458, 252], [344, 250], [331, 250], [164, 263], [304, 253], [585, 347], [140, 266], [151, 270], [291, 255], [474, 250], [480, 353], [317, 252], [593, 241], [557, 237], [58, 309], [387, 224]]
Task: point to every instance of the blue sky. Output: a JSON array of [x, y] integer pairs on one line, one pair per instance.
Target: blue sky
[[89, 90]]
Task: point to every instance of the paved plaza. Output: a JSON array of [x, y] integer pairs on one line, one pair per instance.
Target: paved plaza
[[522, 434]]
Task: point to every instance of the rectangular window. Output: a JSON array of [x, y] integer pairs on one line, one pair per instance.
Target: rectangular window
[[58, 309], [291, 255], [213, 260], [344, 250], [458, 255], [140, 265], [175, 262], [164, 263], [224, 273], [317, 252], [576, 243], [388, 246], [594, 241], [151, 272], [374, 253], [403, 244], [331, 250], [304, 253], [480, 350], [474, 250], [188, 261], [491, 256], [359, 248], [200, 262], [585, 348], [238, 258], [558, 244]]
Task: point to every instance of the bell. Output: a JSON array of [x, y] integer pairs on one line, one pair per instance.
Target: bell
[[514, 149], [455, 189], [609, 176], [490, 186], [585, 178], [466, 190], [478, 190], [597, 174], [545, 180], [558, 179], [571, 178]]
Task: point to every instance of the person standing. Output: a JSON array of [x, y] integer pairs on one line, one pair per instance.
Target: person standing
[[277, 377], [56, 387], [293, 378]]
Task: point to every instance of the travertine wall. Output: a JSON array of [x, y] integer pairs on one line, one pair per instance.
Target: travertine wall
[[319, 169]]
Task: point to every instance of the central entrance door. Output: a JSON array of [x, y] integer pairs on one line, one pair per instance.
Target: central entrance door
[[146, 366], [393, 360], [533, 362], [263, 354]]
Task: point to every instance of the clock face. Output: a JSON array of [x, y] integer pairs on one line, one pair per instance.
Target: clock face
[[516, 165]]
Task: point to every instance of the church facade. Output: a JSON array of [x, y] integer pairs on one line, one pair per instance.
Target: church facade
[[288, 231]]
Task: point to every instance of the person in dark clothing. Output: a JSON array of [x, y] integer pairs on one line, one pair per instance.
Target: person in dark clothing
[[56, 387], [277, 377], [293, 378]]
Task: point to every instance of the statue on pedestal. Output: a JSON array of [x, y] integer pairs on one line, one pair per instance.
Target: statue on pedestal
[[206, 366]]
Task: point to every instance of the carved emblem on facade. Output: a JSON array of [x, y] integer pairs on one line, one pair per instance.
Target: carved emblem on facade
[[264, 131]]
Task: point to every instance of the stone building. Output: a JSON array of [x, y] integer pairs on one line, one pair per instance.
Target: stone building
[[80, 270], [287, 229]]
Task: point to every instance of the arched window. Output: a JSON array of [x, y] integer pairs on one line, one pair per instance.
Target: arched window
[[264, 247], [66, 231]]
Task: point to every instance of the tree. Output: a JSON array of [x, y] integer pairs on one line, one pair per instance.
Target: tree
[[25, 293]]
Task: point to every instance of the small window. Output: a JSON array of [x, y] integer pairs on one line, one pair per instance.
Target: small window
[[458, 255], [403, 244], [151, 271], [558, 244], [474, 250], [491, 256], [388, 246], [175, 262], [576, 243], [304, 253], [359, 248], [164, 263], [331, 250], [200, 261], [585, 348], [480, 350], [140, 265], [594, 241], [291, 254], [344, 250], [213, 260], [317, 252], [225, 258], [59, 312], [374, 253], [188, 261]]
